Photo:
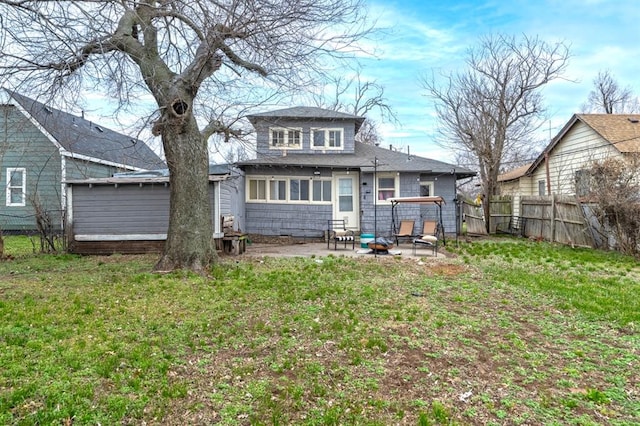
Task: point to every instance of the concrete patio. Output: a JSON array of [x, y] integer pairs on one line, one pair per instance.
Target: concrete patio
[[317, 249]]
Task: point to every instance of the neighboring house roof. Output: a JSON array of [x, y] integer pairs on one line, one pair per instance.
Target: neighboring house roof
[[620, 130], [214, 169], [363, 159], [86, 140], [307, 113], [514, 174]]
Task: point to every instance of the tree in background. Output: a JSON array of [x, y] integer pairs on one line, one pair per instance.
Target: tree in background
[[491, 110], [356, 96], [609, 97], [180, 55]]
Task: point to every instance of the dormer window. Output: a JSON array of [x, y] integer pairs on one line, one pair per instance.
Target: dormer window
[[327, 138], [285, 138]]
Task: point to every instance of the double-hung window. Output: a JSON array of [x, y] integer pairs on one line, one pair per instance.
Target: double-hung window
[[327, 138], [285, 138], [16, 195], [387, 187]]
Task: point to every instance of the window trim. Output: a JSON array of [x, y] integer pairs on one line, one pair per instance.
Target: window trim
[[288, 131], [10, 187], [326, 131], [396, 189], [430, 184], [287, 179]]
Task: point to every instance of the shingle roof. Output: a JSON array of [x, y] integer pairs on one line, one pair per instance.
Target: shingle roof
[[621, 130], [82, 137], [363, 158], [516, 173], [307, 113]]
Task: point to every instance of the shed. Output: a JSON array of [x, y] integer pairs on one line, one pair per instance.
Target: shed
[[126, 214]]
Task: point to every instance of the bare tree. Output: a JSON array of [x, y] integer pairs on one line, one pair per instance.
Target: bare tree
[[615, 192], [609, 97], [359, 97], [183, 53], [491, 110]]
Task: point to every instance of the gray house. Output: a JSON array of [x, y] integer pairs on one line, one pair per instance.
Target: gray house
[[41, 148], [310, 169]]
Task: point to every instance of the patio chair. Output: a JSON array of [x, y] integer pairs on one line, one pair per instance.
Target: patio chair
[[405, 230], [337, 231], [428, 238]]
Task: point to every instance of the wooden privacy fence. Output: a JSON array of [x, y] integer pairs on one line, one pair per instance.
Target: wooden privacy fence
[[500, 211], [474, 218], [555, 218]]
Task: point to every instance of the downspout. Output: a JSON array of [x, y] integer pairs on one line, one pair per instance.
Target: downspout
[[546, 167]]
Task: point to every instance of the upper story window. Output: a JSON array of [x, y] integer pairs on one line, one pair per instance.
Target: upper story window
[[16, 195], [327, 138], [285, 138]]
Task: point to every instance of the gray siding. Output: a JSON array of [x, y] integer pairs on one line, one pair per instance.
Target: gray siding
[[80, 169], [288, 219], [232, 196], [444, 186], [262, 135], [23, 145], [126, 209]]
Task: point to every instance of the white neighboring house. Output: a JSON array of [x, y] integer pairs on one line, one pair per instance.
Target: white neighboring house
[[560, 168]]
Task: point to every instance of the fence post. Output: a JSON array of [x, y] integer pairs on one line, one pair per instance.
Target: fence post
[[553, 218]]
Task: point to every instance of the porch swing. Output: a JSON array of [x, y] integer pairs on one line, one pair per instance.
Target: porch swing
[[431, 231]]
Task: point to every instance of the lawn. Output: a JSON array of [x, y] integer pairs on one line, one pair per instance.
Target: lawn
[[501, 332]]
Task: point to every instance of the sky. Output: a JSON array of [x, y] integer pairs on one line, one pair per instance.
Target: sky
[[422, 36], [418, 37]]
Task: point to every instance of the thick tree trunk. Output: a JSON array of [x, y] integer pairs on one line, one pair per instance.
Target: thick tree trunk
[[189, 242]]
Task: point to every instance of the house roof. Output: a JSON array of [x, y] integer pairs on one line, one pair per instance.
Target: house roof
[[620, 130], [87, 140], [513, 174], [307, 113], [363, 159]]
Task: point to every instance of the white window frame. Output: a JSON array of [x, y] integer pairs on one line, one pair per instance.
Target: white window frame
[[258, 198], [300, 185], [323, 194], [268, 180], [289, 135], [275, 193], [326, 138], [10, 187], [430, 185], [396, 189]]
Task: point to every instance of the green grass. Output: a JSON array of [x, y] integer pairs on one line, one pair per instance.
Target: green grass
[[598, 284], [483, 338]]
